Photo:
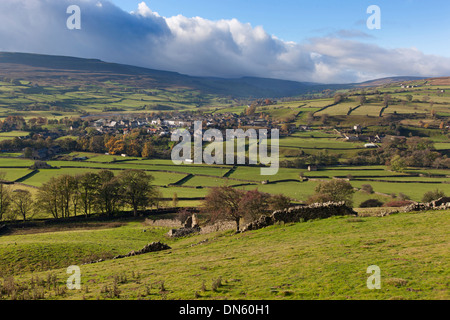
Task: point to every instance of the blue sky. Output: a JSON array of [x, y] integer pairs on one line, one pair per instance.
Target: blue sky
[[405, 23], [324, 41]]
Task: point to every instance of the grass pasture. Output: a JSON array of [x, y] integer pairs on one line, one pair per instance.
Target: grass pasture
[[414, 190], [44, 175], [413, 182], [323, 259], [13, 174]]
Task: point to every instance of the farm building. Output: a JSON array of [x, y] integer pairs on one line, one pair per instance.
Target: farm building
[[357, 128]]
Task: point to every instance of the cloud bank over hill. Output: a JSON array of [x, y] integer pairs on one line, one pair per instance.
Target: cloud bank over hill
[[201, 47]]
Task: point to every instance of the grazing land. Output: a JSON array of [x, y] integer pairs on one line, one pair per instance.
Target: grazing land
[[324, 259]]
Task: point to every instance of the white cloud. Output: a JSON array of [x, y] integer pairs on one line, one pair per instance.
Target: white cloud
[[364, 61], [198, 46], [145, 11]]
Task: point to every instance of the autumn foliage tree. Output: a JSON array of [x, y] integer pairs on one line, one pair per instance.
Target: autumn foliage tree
[[147, 150], [227, 203], [250, 111], [222, 203], [253, 203], [279, 202]]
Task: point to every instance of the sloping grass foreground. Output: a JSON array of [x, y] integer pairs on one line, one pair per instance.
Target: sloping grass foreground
[[46, 248], [324, 259]]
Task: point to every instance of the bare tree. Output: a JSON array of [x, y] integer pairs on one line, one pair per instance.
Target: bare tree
[[136, 189], [362, 99], [87, 184], [387, 99], [222, 203], [22, 201], [108, 193], [5, 196], [254, 203], [227, 203], [279, 202], [48, 198]]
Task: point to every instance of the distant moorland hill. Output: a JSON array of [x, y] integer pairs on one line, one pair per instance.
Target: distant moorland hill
[[56, 70]]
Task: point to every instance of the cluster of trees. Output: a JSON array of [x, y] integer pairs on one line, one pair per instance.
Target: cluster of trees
[[35, 141], [46, 107], [340, 97], [88, 193], [35, 124], [399, 153], [138, 143], [227, 203], [13, 123]]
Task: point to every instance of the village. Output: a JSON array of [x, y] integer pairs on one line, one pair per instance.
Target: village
[[161, 125]]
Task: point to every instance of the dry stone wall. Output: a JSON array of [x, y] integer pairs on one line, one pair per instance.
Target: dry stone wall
[[440, 204], [152, 247], [302, 213]]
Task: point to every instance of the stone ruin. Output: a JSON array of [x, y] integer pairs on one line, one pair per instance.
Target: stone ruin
[[191, 222], [190, 226], [302, 213]]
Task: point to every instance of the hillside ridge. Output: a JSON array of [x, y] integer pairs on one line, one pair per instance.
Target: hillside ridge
[[40, 68]]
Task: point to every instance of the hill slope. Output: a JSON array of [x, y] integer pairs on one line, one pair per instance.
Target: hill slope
[[56, 70], [325, 259], [389, 80]]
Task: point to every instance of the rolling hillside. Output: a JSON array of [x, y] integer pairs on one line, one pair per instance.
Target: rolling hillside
[[54, 69], [57, 70]]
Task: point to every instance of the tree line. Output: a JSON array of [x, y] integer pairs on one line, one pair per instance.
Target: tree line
[[138, 143], [66, 195]]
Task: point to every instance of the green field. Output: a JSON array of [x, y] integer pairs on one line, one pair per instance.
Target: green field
[[13, 134], [414, 190], [12, 174], [287, 181]]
